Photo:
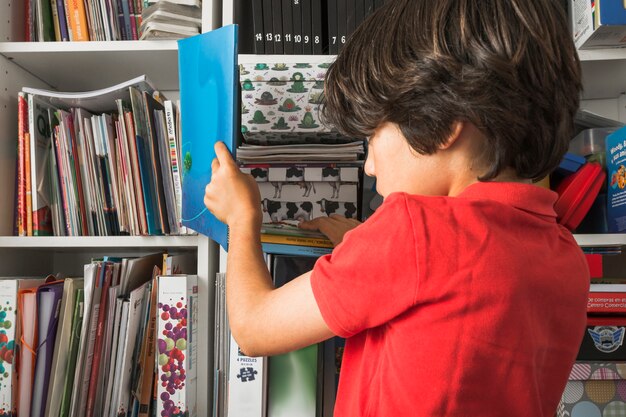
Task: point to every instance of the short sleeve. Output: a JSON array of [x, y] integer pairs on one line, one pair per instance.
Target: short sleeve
[[372, 276]]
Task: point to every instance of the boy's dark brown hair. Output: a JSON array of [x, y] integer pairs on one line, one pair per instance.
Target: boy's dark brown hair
[[507, 66]]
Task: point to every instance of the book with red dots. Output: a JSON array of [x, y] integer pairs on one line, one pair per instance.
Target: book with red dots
[[177, 309]]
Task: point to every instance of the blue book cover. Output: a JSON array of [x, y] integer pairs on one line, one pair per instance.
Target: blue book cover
[[294, 250], [612, 12], [208, 101], [616, 171]]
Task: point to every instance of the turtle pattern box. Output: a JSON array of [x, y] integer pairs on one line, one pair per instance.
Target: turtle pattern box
[[278, 100]]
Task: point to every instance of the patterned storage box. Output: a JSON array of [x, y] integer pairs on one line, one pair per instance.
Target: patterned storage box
[[282, 101], [595, 390]]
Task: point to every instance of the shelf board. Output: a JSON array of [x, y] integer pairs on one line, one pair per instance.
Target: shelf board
[[85, 242], [609, 54], [603, 239], [70, 66], [286, 59]]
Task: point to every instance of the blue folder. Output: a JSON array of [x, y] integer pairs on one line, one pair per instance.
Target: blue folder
[[208, 102]]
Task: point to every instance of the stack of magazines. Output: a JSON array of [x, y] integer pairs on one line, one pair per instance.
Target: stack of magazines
[[98, 163], [171, 19]]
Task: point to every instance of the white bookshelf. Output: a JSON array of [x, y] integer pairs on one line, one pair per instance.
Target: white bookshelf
[[601, 240], [82, 66]]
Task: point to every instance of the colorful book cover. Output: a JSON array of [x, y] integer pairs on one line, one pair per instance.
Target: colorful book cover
[[8, 310], [77, 18], [208, 93], [176, 345], [616, 191]]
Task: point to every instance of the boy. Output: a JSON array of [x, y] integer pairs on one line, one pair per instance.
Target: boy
[[461, 295]]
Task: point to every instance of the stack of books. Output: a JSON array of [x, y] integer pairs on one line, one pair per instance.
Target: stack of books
[[90, 346], [98, 163], [171, 19]]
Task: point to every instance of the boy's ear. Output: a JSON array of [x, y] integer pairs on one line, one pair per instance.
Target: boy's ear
[[457, 128]]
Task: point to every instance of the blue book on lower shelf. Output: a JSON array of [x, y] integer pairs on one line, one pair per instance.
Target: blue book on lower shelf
[[208, 101]]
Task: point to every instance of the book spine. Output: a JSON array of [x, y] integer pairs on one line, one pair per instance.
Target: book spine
[[28, 22], [62, 21], [277, 24], [351, 16], [134, 35], [170, 118], [332, 25], [342, 23], [47, 21], [296, 240], [107, 270], [296, 8], [134, 161], [77, 18], [359, 12], [63, 183], [268, 27], [28, 180], [257, 21], [22, 114], [147, 374], [607, 302], [78, 179], [318, 28], [368, 8], [288, 33], [55, 19], [293, 250]]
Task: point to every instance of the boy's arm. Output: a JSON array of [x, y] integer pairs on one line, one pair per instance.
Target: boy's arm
[[264, 320]]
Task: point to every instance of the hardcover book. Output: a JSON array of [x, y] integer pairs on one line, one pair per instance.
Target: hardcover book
[[209, 107], [616, 170], [177, 329]]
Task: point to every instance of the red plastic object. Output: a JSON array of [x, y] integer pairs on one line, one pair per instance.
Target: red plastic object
[[577, 193]]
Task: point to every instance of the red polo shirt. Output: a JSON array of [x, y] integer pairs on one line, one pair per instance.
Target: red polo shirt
[[456, 306]]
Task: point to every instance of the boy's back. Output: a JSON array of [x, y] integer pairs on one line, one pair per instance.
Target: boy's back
[[462, 306]]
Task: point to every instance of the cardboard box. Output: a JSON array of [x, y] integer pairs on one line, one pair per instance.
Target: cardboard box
[[598, 24], [594, 389], [281, 101]]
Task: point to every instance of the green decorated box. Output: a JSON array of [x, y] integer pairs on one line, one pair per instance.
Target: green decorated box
[[280, 103]]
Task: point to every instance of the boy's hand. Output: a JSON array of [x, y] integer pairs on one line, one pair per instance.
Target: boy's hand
[[333, 226], [233, 197]]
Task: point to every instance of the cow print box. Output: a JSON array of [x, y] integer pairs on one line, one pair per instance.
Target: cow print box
[[299, 192]]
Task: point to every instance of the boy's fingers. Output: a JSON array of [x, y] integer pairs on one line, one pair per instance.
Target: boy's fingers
[[215, 164], [223, 154]]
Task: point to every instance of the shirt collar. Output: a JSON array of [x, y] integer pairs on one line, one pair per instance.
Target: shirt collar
[[528, 197]]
